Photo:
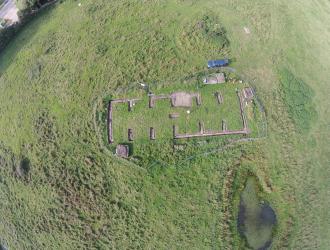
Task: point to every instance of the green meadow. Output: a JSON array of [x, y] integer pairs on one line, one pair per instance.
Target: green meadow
[[62, 188], [210, 113]]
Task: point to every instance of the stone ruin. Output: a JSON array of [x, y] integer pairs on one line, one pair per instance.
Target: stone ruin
[[122, 150], [185, 100]]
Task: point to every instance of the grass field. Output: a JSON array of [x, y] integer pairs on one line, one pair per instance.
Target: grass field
[[61, 189], [210, 112]]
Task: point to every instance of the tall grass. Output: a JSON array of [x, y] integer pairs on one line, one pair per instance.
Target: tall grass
[[298, 97], [77, 195]]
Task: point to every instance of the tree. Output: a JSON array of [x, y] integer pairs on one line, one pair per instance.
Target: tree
[[25, 4]]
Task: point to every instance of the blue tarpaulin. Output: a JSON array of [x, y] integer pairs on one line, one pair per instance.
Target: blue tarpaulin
[[217, 63]]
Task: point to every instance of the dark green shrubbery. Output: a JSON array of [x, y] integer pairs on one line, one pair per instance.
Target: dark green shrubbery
[[27, 9], [298, 97], [204, 34], [6, 35], [25, 4], [210, 27]]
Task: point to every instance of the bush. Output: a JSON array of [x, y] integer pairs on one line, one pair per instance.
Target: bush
[[9, 32], [27, 9], [206, 27], [298, 97], [25, 4], [6, 35]]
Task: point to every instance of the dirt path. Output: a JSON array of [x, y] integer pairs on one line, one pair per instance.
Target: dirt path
[[9, 11]]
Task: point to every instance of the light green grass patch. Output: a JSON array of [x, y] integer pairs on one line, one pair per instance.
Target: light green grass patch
[[211, 113]]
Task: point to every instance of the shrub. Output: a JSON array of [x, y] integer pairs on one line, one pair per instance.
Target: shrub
[[27, 10], [6, 35], [204, 35], [25, 4], [210, 27]]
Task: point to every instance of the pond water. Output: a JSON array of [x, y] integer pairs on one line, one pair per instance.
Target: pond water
[[256, 218]]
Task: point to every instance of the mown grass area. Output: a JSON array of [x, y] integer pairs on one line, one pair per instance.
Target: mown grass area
[[210, 112], [60, 188], [146, 152]]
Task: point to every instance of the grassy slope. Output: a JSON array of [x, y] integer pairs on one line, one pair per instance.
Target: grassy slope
[[298, 42], [77, 195]]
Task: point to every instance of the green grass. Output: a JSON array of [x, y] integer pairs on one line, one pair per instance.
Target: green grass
[[298, 97], [141, 118], [56, 73]]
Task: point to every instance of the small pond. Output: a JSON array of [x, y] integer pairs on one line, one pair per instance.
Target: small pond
[[256, 218]]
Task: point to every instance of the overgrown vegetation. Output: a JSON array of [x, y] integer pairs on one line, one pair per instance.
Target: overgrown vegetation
[[30, 4], [27, 11], [6, 35], [298, 97], [205, 34]]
